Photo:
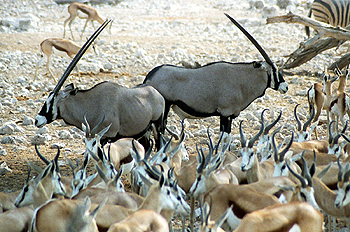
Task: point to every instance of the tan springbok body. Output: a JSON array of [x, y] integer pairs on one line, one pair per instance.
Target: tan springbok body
[[82, 11], [59, 47]]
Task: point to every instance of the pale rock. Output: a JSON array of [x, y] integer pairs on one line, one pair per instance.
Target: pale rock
[[38, 139], [7, 130], [28, 121], [8, 140], [43, 130], [64, 134]]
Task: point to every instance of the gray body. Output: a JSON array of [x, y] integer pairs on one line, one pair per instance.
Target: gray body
[[130, 111], [218, 89]]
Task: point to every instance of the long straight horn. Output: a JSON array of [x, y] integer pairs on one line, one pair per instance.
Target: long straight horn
[[77, 57], [256, 44]]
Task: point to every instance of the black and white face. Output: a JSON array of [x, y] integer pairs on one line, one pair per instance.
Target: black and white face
[[48, 112], [278, 82]]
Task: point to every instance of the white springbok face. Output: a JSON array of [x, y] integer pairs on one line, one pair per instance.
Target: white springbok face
[[44, 185], [343, 195], [248, 158]]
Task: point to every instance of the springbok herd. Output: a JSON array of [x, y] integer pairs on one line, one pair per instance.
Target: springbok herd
[[137, 175]]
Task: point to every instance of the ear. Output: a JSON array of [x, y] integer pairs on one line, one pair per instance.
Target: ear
[[98, 208], [103, 131], [83, 127], [287, 187], [161, 181], [74, 91], [69, 87]]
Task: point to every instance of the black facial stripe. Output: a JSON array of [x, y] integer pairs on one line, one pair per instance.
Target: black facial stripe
[[303, 195]]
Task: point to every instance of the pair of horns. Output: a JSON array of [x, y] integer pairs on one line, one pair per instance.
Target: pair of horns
[[308, 122]]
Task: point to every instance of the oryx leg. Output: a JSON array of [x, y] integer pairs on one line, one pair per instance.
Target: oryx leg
[[225, 124]]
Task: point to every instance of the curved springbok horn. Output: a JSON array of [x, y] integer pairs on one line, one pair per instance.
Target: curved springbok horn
[[284, 151], [217, 145], [252, 140], [243, 141], [336, 138], [307, 171], [94, 130], [46, 161], [275, 147], [299, 177], [296, 117], [268, 128], [330, 135], [256, 44], [149, 151], [210, 144], [340, 172], [308, 122], [87, 126], [55, 160], [78, 56], [346, 172], [28, 175], [172, 133]]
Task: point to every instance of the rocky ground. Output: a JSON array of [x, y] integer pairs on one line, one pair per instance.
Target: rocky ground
[[144, 34]]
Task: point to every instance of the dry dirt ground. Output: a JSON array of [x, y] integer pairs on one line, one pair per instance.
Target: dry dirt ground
[[157, 29]]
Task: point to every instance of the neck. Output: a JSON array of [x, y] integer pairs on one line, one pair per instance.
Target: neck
[[253, 174], [152, 201], [342, 84], [325, 199]]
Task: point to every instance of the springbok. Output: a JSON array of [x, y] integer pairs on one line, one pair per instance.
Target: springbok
[[59, 47], [217, 89], [82, 11], [67, 215], [300, 214], [39, 190]]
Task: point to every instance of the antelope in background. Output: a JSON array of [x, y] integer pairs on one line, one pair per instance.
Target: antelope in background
[[82, 11], [59, 47]]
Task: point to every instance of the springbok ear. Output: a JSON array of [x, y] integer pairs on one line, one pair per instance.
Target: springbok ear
[[286, 187], [69, 87], [103, 131], [98, 208]]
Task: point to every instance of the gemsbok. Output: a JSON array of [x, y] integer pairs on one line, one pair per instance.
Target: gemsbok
[[217, 89], [131, 112]]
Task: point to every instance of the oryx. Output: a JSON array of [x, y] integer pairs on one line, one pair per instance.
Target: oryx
[[217, 89], [130, 112]]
